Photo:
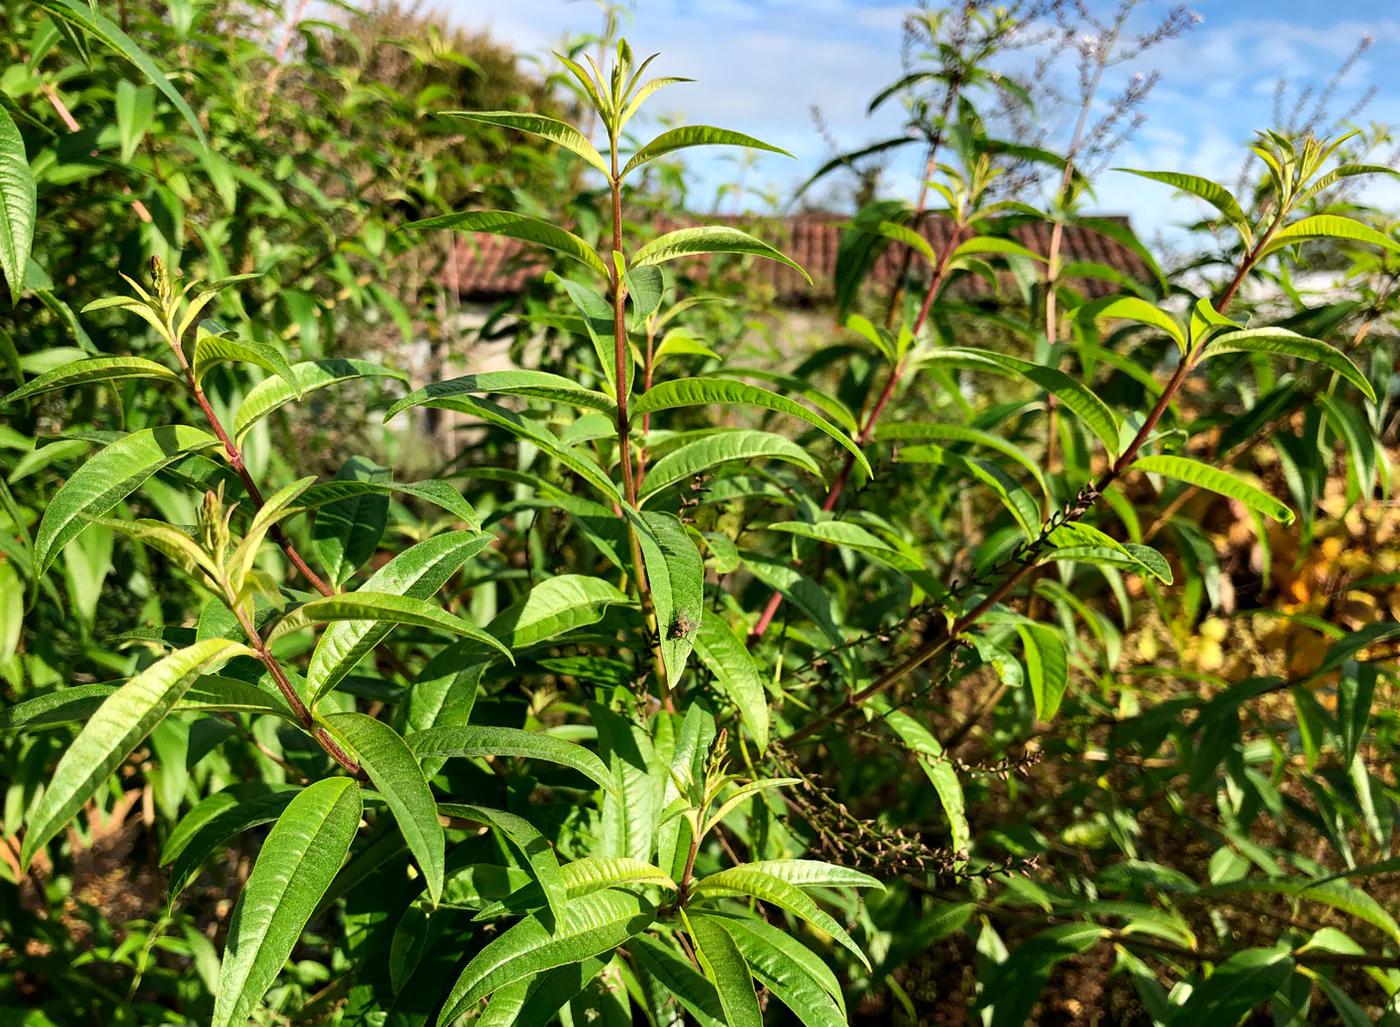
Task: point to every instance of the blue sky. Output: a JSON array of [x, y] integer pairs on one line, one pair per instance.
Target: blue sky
[[762, 64]]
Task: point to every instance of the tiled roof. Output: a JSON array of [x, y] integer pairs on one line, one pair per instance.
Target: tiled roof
[[493, 267]]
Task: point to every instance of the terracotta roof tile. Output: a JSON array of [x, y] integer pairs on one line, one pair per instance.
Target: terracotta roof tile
[[493, 267]]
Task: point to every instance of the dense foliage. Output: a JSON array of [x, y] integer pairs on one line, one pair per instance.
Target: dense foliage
[[1006, 635]]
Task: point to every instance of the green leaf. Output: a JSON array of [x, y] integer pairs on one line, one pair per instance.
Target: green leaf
[[1282, 342], [592, 925], [300, 858], [1073, 394], [11, 610], [1328, 226], [594, 873], [728, 659], [544, 864], [1131, 308], [347, 531], [113, 733], [1212, 192], [1239, 984], [307, 377], [724, 965], [814, 873], [136, 109], [439, 493], [804, 593], [723, 447], [962, 433], [1214, 479], [676, 577], [518, 226], [18, 211], [894, 231], [384, 608], [460, 740], [630, 812], [937, 767], [391, 765], [106, 479], [539, 384], [688, 242], [215, 821], [1018, 502], [418, 572], [1047, 667], [1013, 987], [553, 607], [800, 983], [94, 369], [537, 124], [691, 392], [694, 135], [211, 349], [85, 16], [743, 880], [994, 244]]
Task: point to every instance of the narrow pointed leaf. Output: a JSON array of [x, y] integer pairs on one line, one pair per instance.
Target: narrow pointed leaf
[[689, 242], [724, 965], [539, 384], [391, 765], [17, 206], [799, 957], [95, 369], [676, 578], [1212, 192], [728, 659], [518, 226], [310, 376], [106, 479], [1047, 667], [461, 740], [381, 607], [1193, 472], [439, 493], [785, 977], [1329, 226], [208, 829], [300, 858], [212, 349], [691, 392], [112, 734], [695, 135], [1243, 981], [544, 864], [418, 573], [1283, 343], [537, 124], [593, 924], [1131, 308], [724, 447], [553, 607]]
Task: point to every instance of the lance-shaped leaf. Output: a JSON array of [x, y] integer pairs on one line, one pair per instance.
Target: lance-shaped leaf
[[439, 493], [814, 873], [994, 244], [518, 226], [629, 816], [676, 577], [384, 608], [85, 16], [553, 607], [692, 392], [743, 880], [1047, 667], [535, 847], [539, 384], [215, 821], [1093, 411], [1329, 226], [962, 433], [830, 405], [689, 242], [211, 349], [108, 478], [1213, 479], [17, 206], [1131, 308], [1281, 342], [391, 765], [215, 693], [418, 573], [537, 124], [1212, 192], [723, 447], [674, 977], [592, 925], [1013, 987], [1018, 502], [735, 672], [300, 858], [112, 734], [461, 740], [94, 369], [694, 135], [724, 965], [895, 232], [798, 984], [347, 532], [1242, 982], [307, 377], [937, 767], [581, 877]]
